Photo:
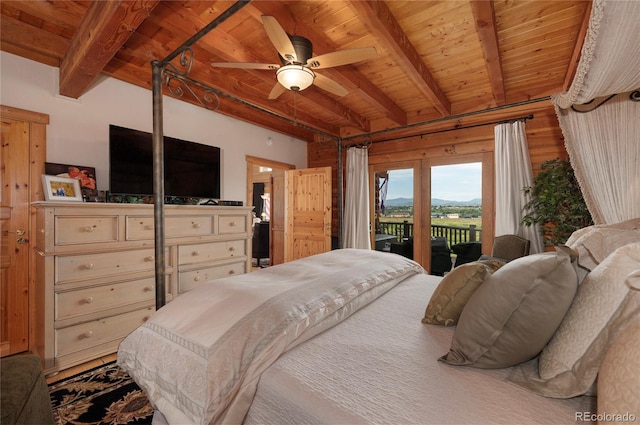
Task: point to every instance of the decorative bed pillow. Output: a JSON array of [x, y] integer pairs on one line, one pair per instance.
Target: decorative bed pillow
[[515, 312], [595, 243], [454, 291], [604, 299], [619, 376]]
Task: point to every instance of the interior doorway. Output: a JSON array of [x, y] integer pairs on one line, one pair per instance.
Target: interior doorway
[[265, 191]]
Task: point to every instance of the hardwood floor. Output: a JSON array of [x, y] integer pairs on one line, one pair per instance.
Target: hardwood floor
[[80, 368]]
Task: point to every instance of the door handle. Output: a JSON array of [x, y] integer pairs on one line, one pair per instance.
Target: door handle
[[22, 240]]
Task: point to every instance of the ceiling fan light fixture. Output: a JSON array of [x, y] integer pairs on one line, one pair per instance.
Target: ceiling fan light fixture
[[295, 77]]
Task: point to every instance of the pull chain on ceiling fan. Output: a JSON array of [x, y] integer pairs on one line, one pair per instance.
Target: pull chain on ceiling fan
[[296, 72]]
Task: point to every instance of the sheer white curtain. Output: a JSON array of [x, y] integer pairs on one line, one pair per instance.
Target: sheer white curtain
[[604, 144], [513, 174], [355, 221], [604, 148], [609, 61]]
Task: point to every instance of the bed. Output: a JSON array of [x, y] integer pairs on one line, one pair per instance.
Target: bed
[[334, 338]]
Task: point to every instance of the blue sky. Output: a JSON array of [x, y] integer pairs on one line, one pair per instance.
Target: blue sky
[[459, 182]]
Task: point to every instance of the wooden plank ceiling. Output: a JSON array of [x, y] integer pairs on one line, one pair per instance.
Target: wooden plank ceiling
[[435, 59]]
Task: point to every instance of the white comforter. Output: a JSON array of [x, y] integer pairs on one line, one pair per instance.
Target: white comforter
[[199, 357], [381, 366]]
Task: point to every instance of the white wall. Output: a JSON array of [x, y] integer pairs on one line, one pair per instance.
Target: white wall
[[78, 132]]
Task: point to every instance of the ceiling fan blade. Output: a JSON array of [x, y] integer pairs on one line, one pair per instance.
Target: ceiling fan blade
[[342, 57], [329, 85], [245, 65], [279, 38], [276, 91]]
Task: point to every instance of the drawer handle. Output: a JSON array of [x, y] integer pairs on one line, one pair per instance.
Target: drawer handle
[[89, 229], [148, 227], [232, 224], [88, 266], [196, 279], [149, 258], [88, 300], [232, 248], [149, 288], [195, 253], [145, 318], [232, 271], [196, 225], [87, 334]]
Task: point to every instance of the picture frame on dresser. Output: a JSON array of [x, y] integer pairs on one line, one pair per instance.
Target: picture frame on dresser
[[57, 188]]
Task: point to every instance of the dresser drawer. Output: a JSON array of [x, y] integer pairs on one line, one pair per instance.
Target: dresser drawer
[[82, 230], [206, 252], [86, 335], [141, 228], [91, 300], [191, 279], [87, 266], [232, 224]]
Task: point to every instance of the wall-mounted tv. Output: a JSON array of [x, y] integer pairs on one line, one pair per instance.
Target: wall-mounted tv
[[190, 169]]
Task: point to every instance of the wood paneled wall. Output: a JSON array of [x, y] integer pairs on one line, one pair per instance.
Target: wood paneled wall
[[465, 135]]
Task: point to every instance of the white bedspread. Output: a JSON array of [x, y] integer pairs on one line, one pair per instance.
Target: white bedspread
[[380, 367], [199, 357]]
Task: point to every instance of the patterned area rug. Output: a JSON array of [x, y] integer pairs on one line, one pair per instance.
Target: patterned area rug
[[103, 395]]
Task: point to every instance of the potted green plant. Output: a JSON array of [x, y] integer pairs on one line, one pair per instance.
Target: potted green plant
[[556, 202]]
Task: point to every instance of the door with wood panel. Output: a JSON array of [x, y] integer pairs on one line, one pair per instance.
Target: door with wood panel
[[277, 217], [307, 212], [21, 163]]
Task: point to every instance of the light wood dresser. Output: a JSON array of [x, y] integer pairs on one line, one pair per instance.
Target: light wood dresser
[[96, 268]]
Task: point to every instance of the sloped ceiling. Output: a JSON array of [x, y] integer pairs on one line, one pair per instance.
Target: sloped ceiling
[[435, 59]]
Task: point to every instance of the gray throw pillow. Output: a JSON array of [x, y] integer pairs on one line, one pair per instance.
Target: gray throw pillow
[[515, 312]]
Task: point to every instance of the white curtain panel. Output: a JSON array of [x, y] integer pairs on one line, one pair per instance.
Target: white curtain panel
[[610, 58], [513, 174], [603, 144], [355, 222], [604, 147]]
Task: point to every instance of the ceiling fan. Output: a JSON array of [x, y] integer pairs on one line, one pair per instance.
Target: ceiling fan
[[296, 71]]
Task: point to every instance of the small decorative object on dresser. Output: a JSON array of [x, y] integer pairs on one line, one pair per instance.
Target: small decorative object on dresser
[[85, 175], [61, 188]]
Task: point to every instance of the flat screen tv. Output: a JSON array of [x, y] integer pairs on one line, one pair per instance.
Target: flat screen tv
[[190, 169]]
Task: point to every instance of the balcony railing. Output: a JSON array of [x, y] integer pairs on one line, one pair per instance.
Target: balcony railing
[[453, 234]]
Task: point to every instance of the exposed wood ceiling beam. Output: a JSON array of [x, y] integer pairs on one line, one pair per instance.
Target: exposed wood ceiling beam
[[381, 22], [106, 26], [346, 75], [19, 37], [484, 17], [577, 49]]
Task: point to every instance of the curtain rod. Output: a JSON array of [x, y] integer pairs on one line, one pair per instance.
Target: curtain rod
[[511, 120], [449, 118]]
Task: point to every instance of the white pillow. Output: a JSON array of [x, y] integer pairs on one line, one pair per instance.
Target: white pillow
[[601, 309], [619, 376], [595, 243]]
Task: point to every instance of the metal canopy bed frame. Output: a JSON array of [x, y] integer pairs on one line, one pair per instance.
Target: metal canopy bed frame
[[176, 79]]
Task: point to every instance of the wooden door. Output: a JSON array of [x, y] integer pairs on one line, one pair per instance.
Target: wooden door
[[276, 183], [277, 217], [307, 212], [22, 163]]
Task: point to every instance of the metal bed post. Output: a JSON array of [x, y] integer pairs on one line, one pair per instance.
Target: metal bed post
[[158, 68]]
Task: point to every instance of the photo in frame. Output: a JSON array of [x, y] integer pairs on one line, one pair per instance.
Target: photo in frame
[[85, 175], [61, 188]]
